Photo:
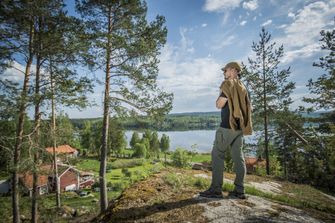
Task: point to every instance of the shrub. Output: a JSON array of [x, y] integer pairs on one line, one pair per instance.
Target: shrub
[[118, 186], [201, 183], [126, 172], [275, 167], [109, 184], [180, 158]]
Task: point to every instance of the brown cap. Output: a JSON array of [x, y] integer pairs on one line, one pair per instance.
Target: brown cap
[[235, 65]]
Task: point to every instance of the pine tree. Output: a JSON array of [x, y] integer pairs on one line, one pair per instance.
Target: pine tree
[[17, 39], [286, 141], [324, 87], [126, 47], [269, 87]]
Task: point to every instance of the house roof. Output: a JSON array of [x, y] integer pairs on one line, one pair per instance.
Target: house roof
[[62, 149], [250, 161], [42, 179]]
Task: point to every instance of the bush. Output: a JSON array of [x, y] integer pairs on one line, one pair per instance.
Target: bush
[[201, 183], [109, 166], [109, 184], [181, 158], [275, 167], [96, 184], [126, 172], [118, 186], [173, 180]]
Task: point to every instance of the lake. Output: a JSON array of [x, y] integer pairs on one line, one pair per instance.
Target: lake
[[200, 140]]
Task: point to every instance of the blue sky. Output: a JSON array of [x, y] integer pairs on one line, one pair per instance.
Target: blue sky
[[203, 35]]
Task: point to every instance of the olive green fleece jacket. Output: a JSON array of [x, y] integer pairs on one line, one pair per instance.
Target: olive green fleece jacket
[[239, 105]]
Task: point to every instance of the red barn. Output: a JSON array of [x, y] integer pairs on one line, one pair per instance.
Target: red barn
[[43, 184]]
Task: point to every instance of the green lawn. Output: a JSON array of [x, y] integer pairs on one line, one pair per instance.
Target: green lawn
[[201, 157]]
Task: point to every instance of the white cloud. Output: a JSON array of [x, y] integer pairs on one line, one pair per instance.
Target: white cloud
[[186, 43], [220, 5], [15, 73], [282, 26], [303, 52], [204, 25], [192, 80], [268, 22], [222, 42], [250, 5], [243, 23], [291, 15], [300, 38]]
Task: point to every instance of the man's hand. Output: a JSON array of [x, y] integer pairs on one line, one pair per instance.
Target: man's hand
[[220, 102]]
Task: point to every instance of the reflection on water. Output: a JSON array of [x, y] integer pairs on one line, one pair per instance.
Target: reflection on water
[[201, 140]]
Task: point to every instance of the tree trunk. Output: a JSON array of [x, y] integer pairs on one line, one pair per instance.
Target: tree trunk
[[266, 140], [54, 143], [165, 158], [34, 216], [104, 144], [19, 133]]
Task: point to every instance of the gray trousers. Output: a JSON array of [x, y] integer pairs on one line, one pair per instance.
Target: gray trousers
[[228, 139]]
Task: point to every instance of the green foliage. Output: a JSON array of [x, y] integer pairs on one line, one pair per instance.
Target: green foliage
[[269, 87], [165, 143], [201, 183], [119, 186], [174, 180], [146, 143], [126, 172], [324, 87], [86, 136], [117, 141], [285, 140], [181, 158], [275, 167], [135, 138], [154, 144], [140, 150], [64, 131], [109, 166], [132, 46]]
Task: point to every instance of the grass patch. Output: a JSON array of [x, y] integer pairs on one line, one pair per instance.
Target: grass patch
[[88, 165], [201, 157], [178, 181], [127, 163]]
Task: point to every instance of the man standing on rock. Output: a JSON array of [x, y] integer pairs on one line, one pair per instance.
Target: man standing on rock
[[235, 106]]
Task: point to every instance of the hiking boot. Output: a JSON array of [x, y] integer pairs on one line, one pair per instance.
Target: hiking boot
[[211, 194], [237, 195]]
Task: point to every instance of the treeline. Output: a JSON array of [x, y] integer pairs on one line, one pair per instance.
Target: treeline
[[171, 122], [188, 121]]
